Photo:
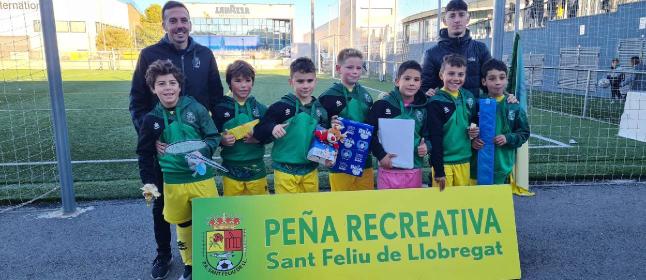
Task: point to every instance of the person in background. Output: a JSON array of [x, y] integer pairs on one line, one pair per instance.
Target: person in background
[[616, 78]]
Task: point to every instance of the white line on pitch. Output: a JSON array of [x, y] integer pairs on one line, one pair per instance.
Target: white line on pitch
[[572, 115], [548, 147], [558, 143]]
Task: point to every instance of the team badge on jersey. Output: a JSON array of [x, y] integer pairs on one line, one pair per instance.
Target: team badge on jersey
[[470, 102], [368, 97], [419, 115], [190, 117], [224, 246], [511, 116]]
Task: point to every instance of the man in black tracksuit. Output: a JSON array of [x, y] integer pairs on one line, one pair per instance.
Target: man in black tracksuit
[[201, 81], [454, 39]]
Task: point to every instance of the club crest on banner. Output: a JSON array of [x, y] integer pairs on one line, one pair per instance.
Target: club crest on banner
[[224, 246]]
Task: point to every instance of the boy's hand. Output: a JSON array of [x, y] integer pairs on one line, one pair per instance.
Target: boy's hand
[[334, 120], [328, 163], [228, 139], [249, 139], [161, 147], [511, 99], [150, 193], [441, 182], [387, 162], [279, 130], [193, 162], [430, 92], [474, 131], [477, 144], [500, 140], [421, 149]]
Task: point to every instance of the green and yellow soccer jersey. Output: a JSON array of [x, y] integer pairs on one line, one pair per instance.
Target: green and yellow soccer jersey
[[448, 120], [189, 120]]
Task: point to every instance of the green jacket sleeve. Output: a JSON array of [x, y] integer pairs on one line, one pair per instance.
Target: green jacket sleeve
[[209, 132], [520, 129]]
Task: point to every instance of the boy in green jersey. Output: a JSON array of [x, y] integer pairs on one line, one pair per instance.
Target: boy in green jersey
[[243, 157], [350, 100], [512, 127], [290, 124], [450, 113], [175, 119]]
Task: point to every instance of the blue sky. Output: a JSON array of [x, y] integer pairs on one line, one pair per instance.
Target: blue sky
[[325, 9]]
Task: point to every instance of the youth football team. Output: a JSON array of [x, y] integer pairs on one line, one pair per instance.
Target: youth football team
[[443, 131]]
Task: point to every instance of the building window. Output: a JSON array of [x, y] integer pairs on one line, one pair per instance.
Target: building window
[[414, 32], [62, 26], [77, 26]]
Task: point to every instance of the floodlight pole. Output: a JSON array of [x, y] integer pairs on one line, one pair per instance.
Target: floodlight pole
[[497, 38], [55, 81], [439, 18], [312, 43], [516, 16]]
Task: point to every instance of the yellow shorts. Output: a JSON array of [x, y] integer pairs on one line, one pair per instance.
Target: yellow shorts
[[498, 180], [177, 199], [234, 187], [347, 182], [289, 183], [456, 175]]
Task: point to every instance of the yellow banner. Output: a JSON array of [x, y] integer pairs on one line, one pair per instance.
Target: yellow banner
[[461, 233]]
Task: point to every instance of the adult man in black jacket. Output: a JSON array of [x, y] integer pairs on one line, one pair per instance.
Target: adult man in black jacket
[[201, 81], [454, 39]]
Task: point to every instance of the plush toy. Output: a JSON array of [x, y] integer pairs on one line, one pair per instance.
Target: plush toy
[[330, 136]]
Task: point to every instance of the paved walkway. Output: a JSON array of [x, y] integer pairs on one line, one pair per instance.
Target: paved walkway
[[567, 232]]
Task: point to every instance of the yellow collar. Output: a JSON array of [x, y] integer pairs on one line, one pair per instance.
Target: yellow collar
[[455, 94]]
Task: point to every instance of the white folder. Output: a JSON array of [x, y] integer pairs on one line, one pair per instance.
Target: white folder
[[397, 137]]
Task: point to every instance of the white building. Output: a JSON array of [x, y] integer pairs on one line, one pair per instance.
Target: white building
[[77, 24], [234, 27]]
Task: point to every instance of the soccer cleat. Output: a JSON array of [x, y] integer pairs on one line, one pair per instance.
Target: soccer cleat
[[188, 273], [161, 267]]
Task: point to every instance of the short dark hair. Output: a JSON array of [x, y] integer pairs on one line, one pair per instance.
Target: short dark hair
[[160, 68], [457, 5], [615, 59], [170, 5], [408, 65], [454, 60], [492, 64], [240, 68], [302, 65]]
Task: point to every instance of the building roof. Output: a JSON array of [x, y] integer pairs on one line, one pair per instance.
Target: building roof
[[133, 3]]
